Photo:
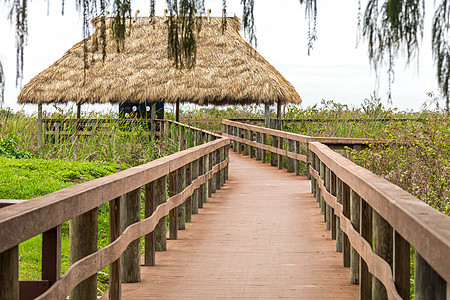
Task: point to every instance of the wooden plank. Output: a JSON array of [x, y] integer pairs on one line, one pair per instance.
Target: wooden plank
[[365, 283], [130, 214], [9, 275], [149, 239], [402, 266], [428, 284], [83, 242], [173, 215], [245, 259], [115, 269], [51, 255], [195, 196]]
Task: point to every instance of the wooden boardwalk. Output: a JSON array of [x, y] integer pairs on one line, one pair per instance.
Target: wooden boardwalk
[[260, 236]]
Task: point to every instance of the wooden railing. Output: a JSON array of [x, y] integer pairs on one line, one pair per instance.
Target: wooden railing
[[374, 222], [192, 176]]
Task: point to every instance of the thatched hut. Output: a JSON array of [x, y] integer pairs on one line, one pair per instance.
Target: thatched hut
[[228, 70]]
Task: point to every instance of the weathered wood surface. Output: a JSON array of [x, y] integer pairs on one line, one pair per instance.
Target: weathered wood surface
[[260, 236]]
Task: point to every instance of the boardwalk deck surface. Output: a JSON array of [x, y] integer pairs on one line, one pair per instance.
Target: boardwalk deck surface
[[260, 236]]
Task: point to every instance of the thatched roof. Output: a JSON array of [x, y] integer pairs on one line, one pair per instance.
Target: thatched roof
[[228, 71]]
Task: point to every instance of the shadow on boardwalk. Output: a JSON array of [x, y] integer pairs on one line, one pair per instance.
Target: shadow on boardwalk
[[260, 236]]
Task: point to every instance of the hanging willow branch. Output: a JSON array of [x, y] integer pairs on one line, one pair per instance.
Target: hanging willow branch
[[441, 46], [2, 84], [18, 12], [311, 17], [393, 28], [248, 21]]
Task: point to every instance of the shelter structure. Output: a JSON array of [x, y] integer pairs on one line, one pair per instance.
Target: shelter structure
[[228, 71]]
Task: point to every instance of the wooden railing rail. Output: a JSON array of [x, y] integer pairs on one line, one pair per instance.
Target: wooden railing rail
[[192, 175], [374, 222], [382, 222]]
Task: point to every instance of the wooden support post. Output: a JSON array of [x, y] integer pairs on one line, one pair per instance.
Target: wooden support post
[[189, 199], [346, 210], [219, 173], [251, 151], [267, 115], [226, 155], [202, 190], [258, 150], [428, 284], [83, 242], [177, 111], [247, 137], [131, 258], [238, 144], [382, 246], [159, 193], [208, 168], [279, 115], [235, 144], [213, 163], [402, 269], [78, 110], [339, 197], [264, 152], [291, 161], [297, 162], [181, 184], [273, 158], [327, 207], [355, 210], [51, 255], [322, 202], [173, 214], [332, 179], [222, 172], [39, 127], [195, 195], [115, 269], [365, 284], [9, 275], [279, 156], [150, 239]]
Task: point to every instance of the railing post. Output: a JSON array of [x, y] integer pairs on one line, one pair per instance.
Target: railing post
[[382, 246], [131, 258], [322, 202], [333, 217], [202, 190], [173, 214], [222, 172], [246, 137], [428, 284], [345, 201], [365, 284], [9, 275], [291, 161], [115, 269], [226, 155], [250, 138], [355, 210], [235, 144], [181, 184], [402, 271], [189, 199], [312, 158], [327, 207], [195, 194], [150, 206], [208, 168], [258, 150], [264, 152], [280, 157], [83, 241], [238, 144], [297, 162], [51, 255], [219, 173], [273, 158]]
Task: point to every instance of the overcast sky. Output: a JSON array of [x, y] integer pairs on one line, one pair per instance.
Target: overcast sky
[[336, 69]]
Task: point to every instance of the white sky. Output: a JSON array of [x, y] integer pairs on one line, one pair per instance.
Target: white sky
[[336, 68]]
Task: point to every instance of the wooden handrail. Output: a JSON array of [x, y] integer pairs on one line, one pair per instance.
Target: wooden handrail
[[351, 197], [21, 220], [418, 223]]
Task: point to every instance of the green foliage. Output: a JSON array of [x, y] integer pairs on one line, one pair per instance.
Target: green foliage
[[30, 178], [8, 148]]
